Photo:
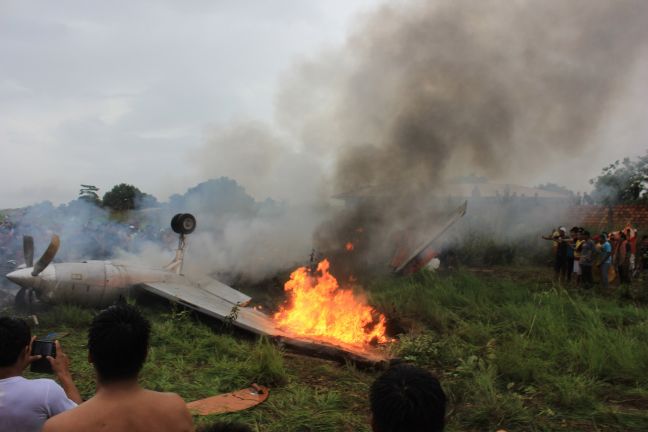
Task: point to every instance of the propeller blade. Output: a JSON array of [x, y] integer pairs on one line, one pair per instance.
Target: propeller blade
[[48, 256], [28, 250]]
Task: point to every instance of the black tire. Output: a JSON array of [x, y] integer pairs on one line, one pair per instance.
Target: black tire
[[183, 223], [175, 225], [187, 223]]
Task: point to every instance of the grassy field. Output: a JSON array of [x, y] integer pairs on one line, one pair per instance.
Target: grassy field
[[513, 351]]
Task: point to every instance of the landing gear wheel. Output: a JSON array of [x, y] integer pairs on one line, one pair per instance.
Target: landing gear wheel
[[183, 223], [175, 226]]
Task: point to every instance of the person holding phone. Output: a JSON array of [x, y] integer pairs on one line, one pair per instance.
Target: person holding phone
[[118, 343], [26, 404]]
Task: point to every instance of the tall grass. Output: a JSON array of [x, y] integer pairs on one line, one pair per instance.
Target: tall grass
[[520, 354], [511, 353]]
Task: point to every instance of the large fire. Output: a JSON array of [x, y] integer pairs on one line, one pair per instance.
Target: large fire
[[318, 308]]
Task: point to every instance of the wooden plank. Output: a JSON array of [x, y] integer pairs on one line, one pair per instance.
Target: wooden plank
[[230, 402]]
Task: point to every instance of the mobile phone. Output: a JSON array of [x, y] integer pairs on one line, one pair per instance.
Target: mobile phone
[[43, 348]]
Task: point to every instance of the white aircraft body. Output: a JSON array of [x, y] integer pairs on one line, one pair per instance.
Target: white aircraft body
[[101, 283]]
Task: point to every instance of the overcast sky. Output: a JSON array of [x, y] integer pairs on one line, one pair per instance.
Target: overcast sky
[[126, 91]]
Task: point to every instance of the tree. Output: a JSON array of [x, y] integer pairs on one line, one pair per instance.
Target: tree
[[622, 182], [127, 197], [89, 194]]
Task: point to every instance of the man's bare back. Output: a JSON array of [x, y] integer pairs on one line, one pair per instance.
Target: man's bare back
[[125, 410]]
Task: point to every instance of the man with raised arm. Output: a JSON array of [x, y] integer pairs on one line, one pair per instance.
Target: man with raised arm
[[118, 342], [26, 404]]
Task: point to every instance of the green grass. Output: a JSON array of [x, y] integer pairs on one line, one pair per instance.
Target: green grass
[[512, 350], [525, 355]]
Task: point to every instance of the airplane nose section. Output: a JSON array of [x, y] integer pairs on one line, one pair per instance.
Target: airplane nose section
[[20, 277]]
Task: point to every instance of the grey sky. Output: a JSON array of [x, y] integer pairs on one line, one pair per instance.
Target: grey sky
[[105, 92], [127, 91]]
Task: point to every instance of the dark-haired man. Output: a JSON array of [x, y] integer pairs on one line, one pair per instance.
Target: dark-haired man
[[118, 344], [26, 404], [407, 398]]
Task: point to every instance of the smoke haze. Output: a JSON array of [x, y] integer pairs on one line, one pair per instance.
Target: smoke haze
[[422, 92], [427, 91]]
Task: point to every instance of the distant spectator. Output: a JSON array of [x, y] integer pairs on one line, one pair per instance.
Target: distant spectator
[[577, 246], [118, 343], [587, 251], [407, 398], [606, 260], [631, 235], [622, 258], [571, 253], [225, 427], [26, 404], [561, 245], [643, 252]]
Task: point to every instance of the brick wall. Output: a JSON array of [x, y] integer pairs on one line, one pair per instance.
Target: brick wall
[[594, 216]]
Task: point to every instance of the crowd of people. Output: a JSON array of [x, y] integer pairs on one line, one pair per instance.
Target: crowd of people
[[404, 398], [581, 258]]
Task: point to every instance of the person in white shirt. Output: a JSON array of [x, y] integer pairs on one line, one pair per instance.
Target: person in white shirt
[[26, 404]]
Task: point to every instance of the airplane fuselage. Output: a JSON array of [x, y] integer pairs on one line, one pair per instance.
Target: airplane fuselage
[[89, 283]]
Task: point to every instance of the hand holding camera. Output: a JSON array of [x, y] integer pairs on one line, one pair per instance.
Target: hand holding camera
[[60, 362], [40, 350], [47, 356]]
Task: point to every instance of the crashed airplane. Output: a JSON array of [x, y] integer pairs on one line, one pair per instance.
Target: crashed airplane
[[101, 283]]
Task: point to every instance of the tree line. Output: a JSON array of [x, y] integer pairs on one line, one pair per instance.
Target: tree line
[[622, 182], [121, 197]]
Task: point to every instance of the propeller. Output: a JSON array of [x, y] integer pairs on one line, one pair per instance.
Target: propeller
[[28, 250], [28, 255], [25, 296], [47, 256]]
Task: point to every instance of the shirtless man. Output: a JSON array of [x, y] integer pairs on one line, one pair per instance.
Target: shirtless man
[[117, 346]]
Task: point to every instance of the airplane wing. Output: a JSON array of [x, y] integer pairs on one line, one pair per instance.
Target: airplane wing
[[223, 291], [205, 300], [257, 322]]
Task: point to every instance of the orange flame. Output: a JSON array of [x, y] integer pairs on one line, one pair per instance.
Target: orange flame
[[349, 246], [317, 307]]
